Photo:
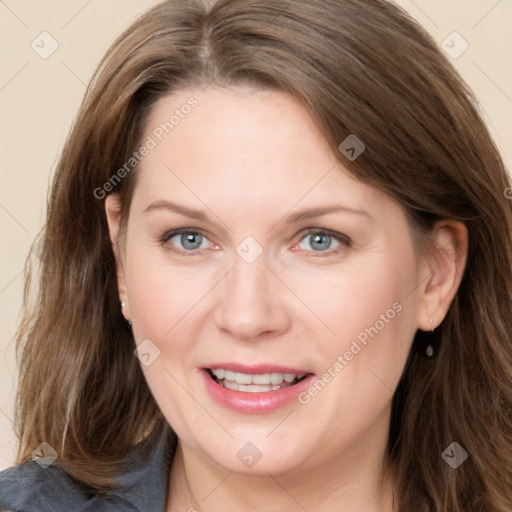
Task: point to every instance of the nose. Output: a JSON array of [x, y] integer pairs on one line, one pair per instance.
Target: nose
[[252, 302]]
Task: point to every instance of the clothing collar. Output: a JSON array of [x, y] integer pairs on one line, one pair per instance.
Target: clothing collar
[[148, 465]]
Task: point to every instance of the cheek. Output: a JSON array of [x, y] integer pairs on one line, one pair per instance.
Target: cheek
[[165, 300], [372, 316], [162, 293], [368, 314]]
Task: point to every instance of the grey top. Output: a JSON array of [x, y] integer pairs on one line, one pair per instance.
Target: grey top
[[143, 488]]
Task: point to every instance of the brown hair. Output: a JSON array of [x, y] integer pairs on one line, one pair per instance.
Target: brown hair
[[360, 67]]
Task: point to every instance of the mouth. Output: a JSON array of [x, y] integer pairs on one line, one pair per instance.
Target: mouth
[[254, 382], [254, 389]]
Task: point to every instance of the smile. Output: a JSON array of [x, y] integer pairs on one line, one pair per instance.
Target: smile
[[255, 382], [254, 389]]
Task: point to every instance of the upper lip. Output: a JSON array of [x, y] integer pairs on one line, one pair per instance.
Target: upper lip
[[255, 368]]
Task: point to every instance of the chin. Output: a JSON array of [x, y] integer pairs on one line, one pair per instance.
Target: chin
[[258, 457]]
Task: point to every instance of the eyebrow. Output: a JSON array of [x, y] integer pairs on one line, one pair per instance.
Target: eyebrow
[[323, 210], [296, 217], [177, 208]]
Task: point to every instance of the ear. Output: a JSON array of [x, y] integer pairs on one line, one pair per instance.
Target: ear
[[442, 272], [113, 213]]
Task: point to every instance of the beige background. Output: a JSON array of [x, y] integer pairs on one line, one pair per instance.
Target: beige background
[[39, 98]]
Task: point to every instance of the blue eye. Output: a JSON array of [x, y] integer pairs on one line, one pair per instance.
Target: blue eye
[[320, 241], [188, 240]]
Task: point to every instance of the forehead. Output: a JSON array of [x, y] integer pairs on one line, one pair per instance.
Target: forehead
[[240, 123], [243, 145]]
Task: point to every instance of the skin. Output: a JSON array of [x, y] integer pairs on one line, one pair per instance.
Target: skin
[[250, 159]]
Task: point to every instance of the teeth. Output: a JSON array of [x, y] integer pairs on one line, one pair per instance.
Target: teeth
[[243, 378], [230, 385], [277, 378], [256, 382], [229, 375], [266, 378], [251, 388]]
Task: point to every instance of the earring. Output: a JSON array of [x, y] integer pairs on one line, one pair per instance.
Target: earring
[[123, 305], [430, 350]]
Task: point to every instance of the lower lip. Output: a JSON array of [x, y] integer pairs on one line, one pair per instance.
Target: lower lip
[[254, 403]]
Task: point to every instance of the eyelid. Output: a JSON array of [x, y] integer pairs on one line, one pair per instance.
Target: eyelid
[[173, 232], [333, 234]]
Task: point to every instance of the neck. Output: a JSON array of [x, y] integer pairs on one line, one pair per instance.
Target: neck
[[349, 482]]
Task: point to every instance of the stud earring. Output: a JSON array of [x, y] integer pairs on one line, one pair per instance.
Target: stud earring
[[123, 305]]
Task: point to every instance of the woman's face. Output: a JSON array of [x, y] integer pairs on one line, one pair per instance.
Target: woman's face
[[288, 266]]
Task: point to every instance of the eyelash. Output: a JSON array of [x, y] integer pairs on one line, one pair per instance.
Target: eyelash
[[339, 237]]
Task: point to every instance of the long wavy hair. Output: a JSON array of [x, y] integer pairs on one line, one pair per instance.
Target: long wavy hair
[[360, 67]]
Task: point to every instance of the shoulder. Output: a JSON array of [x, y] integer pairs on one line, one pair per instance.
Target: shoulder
[[29, 487]]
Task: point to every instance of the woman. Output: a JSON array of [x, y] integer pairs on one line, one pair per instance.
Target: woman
[[276, 275]]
